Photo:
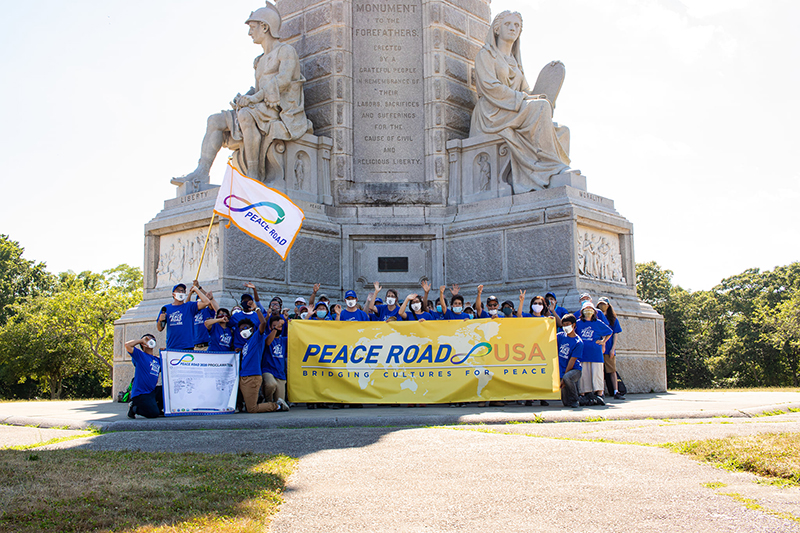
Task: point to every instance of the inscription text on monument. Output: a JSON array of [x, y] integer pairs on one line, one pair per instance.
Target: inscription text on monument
[[388, 121]]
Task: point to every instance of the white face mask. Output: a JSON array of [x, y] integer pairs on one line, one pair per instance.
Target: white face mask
[[150, 343], [568, 328], [537, 308], [416, 306], [493, 312], [351, 302], [390, 301], [303, 316], [180, 296], [246, 333]]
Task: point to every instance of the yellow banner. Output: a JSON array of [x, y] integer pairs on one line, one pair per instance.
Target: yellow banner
[[435, 361]]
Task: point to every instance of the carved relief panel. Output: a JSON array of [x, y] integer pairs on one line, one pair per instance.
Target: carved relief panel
[[179, 257], [599, 255]]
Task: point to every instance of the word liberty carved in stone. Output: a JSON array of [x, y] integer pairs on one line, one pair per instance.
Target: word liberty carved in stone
[[388, 118], [599, 256]]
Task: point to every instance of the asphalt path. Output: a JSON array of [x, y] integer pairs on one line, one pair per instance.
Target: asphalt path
[[572, 476], [505, 469]]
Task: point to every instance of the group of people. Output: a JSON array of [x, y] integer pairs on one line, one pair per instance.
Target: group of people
[[586, 338]]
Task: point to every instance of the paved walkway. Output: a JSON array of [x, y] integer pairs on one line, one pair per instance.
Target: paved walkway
[[111, 416], [484, 474]]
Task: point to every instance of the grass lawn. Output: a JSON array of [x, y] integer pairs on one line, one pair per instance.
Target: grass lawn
[[76, 490], [773, 455]]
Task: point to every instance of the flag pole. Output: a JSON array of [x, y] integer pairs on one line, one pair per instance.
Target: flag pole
[[208, 234]]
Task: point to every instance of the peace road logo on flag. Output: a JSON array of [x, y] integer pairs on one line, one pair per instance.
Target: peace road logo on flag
[[263, 213]]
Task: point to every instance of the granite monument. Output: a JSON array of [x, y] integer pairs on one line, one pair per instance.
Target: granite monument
[[430, 158]]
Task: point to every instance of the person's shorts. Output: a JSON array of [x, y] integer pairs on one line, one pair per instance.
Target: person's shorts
[[609, 363]]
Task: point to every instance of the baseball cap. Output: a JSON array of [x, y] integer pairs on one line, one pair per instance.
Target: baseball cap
[[321, 303], [350, 294], [551, 295], [585, 295], [177, 286], [602, 300], [301, 300], [490, 298]]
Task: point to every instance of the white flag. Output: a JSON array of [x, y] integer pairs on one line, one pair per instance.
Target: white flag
[[263, 213]]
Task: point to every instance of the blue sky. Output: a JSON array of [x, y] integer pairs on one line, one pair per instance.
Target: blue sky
[[683, 113]]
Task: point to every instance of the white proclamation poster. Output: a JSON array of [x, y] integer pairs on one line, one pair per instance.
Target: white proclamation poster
[[199, 383]]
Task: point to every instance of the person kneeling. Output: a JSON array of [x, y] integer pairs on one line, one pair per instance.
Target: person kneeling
[[570, 353], [147, 399], [250, 375]]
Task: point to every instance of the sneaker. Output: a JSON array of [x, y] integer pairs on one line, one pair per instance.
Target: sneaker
[[544, 403], [599, 400], [575, 405], [131, 412], [584, 400], [618, 396], [282, 405]]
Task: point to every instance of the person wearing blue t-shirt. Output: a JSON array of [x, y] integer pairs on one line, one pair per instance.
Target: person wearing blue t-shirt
[[201, 336], [178, 317], [391, 309], [610, 353], [352, 313], [456, 310], [553, 309], [492, 306], [220, 332], [273, 361], [412, 309], [147, 398], [586, 297], [570, 353], [594, 335], [249, 305], [250, 374], [321, 312]]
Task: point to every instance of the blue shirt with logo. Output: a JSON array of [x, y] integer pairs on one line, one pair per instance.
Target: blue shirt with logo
[[238, 341], [274, 358], [591, 331], [410, 315], [569, 347], [146, 370], [384, 312], [180, 325], [354, 316], [200, 331], [221, 339], [252, 351]]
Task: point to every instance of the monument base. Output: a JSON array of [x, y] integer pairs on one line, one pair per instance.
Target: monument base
[[561, 240]]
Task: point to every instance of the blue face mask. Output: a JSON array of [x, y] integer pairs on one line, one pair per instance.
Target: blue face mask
[[438, 308], [470, 315], [322, 313], [457, 310]]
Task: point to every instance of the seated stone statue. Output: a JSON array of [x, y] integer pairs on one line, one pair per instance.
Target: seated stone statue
[[522, 117], [271, 111]]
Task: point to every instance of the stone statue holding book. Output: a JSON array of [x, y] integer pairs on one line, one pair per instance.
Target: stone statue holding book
[[523, 117]]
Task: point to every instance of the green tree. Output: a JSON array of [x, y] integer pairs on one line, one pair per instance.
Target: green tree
[[19, 278], [55, 337], [653, 284]]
